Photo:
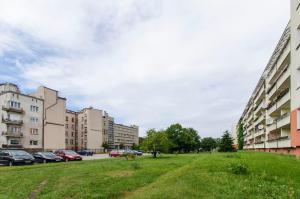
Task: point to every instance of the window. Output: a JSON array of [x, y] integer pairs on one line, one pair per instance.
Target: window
[[67, 119], [67, 126], [34, 120], [72, 119], [34, 108], [73, 127], [72, 134], [33, 142], [66, 141], [71, 141], [14, 104], [14, 142], [34, 131], [66, 133]]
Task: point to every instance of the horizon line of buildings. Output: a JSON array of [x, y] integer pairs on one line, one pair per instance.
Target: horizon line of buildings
[[271, 119], [40, 121]]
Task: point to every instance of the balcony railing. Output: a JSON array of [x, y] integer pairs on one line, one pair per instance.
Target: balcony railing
[[285, 98], [281, 142], [12, 109], [12, 122], [283, 120], [13, 134], [284, 76]]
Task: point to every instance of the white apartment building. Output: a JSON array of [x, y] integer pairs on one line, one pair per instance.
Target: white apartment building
[[126, 136], [21, 124], [271, 118]]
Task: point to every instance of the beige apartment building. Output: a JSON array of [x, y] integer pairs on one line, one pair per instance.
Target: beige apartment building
[[21, 123], [271, 118], [54, 118], [125, 136], [71, 130]]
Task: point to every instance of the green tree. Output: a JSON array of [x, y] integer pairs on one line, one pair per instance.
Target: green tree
[[105, 145], [226, 143], [182, 139], [122, 146], [240, 135], [156, 141], [208, 144], [135, 147]]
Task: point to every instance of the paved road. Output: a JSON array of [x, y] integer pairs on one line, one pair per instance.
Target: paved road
[[95, 157]]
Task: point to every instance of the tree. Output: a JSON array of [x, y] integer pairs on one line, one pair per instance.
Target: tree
[[105, 145], [240, 135], [182, 139], [135, 147], [208, 144], [156, 141], [226, 143], [122, 146]]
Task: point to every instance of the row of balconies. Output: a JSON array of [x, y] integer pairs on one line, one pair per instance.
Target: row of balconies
[[274, 90], [13, 109], [282, 142], [282, 100]]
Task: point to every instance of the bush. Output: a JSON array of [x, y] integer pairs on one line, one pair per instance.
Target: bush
[[135, 166], [238, 168], [129, 156], [233, 156]]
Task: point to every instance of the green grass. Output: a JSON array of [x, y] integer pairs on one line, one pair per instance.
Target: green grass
[[171, 176]]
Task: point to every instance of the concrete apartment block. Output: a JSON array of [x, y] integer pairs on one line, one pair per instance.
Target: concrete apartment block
[[71, 130], [125, 135], [21, 124], [271, 118], [54, 118]]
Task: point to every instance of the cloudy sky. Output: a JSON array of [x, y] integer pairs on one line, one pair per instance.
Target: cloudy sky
[[150, 63]]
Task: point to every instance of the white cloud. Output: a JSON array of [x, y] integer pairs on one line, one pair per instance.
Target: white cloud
[[152, 63]]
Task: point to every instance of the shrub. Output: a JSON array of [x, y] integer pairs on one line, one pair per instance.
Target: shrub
[[233, 156], [238, 168], [135, 166], [129, 156]]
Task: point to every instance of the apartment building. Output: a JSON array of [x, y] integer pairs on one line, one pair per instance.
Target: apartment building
[[271, 119], [71, 128], [54, 118], [22, 119], [125, 136]]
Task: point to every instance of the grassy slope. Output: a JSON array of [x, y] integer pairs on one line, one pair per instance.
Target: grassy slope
[[182, 176]]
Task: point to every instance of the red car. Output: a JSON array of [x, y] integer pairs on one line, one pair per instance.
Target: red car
[[116, 153], [68, 155]]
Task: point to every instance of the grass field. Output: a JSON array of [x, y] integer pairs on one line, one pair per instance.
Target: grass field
[[170, 176]]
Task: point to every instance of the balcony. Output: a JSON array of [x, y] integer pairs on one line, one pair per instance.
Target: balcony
[[272, 127], [259, 145], [284, 76], [12, 122], [12, 146], [284, 120], [261, 132], [272, 109], [281, 142], [12, 134], [13, 109], [284, 99]]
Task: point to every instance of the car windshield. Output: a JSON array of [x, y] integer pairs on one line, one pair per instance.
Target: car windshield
[[18, 153], [69, 152], [48, 154]]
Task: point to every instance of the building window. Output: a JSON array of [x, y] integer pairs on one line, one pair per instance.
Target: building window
[[14, 104], [67, 119], [67, 126], [34, 131], [73, 119], [66, 141], [34, 120], [73, 127], [34, 108], [72, 134], [66, 133], [71, 142], [14, 142], [33, 142]]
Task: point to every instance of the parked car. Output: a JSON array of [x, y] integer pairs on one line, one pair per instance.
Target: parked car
[[86, 152], [116, 153], [138, 153], [68, 155], [15, 157], [44, 157]]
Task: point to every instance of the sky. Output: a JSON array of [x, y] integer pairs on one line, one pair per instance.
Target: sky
[[149, 63]]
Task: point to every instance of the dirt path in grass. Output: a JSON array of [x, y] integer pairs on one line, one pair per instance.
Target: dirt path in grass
[[38, 190], [173, 173]]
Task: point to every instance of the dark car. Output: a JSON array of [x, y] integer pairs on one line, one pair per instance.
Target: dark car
[[44, 157], [15, 157], [68, 155], [86, 152], [138, 153]]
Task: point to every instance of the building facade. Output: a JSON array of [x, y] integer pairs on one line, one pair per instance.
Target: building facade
[[21, 124], [271, 118], [71, 133], [125, 136], [54, 118]]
